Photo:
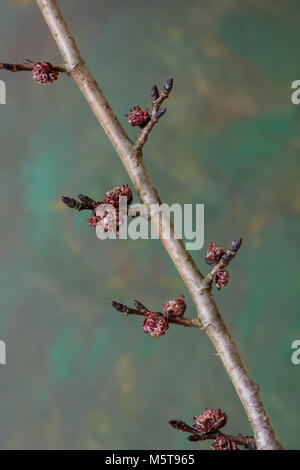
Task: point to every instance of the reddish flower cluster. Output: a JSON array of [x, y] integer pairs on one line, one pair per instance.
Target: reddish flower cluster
[[210, 421], [42, 73], [223, 443], [221, 278], [94, 219], [155, 324], [214, 254], [175, 307], [208, 426], [220, 258], [112, 197], [110, 220], [138, 117]]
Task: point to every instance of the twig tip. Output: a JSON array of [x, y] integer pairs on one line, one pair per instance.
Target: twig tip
[[139, 306]]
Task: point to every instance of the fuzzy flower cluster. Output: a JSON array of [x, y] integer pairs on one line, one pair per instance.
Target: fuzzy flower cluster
[[174, 308], [113, 196], [210, 421], [208, 426], [138, 117], [221, 278], [223, 443], [214, 254], [110, 220], [42, 73], [155, 324]]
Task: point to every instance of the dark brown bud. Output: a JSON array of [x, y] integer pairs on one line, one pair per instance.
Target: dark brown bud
[[236, 244], [154, 93], [176, 424], [184, 427], [160, 113], [120, 307], [73, 204], [168, 86], [139, 306], [9, 67], [227, 257], [87, 201], [79, 206], [70, 202]]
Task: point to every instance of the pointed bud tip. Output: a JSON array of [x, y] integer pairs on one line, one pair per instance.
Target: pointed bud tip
[[119, 307], [154, 92], [67, 200], [160, 113], [139, 306], [173, 423], [168, 85], [236, 244], [116, 305]]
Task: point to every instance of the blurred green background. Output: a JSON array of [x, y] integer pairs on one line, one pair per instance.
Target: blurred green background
[[78, 374]]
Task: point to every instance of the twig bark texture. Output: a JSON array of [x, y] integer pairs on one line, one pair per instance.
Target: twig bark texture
[[198, 286]]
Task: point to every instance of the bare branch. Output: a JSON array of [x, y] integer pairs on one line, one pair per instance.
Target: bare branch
[[130, 155]]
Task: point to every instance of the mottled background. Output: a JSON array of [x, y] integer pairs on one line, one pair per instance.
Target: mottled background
[[80, 375]]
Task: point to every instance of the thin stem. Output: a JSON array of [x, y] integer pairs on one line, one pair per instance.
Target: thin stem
[[207, 310], [157, 112], [244, 441], [27, 66], [187, 322]]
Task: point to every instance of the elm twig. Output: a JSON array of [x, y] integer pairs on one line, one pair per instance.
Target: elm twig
[[28, 66], [141, 310], [157, 111]]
